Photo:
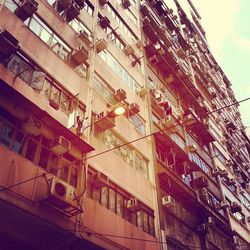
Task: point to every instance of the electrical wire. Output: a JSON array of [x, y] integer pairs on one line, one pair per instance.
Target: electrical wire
[[229, 105], [122, 145], [100, 234], [103, 152]]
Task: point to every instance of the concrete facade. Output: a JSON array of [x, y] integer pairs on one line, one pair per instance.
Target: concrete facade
[[172, 172]]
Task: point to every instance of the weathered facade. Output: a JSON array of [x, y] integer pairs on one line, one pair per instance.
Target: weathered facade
[[172, 172]]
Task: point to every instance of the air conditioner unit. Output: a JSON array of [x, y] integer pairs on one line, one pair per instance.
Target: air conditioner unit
[[224, 204], [212, 91], [103, 2], [168, 121], [61, 5], [79, 56], [223, 173], [203, 228], [198, 183], [54, 103], [241, 190], [191, 148], [133, 204], [100, 180], [229, 163], [60, 194], [126, 4], [120, 95], [215, 172], [143, 92], [104, 22], [210, 221], [139, 44], [158, 97], [235, 207], [203, 194], [153, 59], [72, 12], [105, 122], [223, 141], [236, 241], [133, 109], [9, 45], [128, 50], [181, 53], [84, 36], [231, 181], [26, 9], [101, 45], [32, 126], [60, 145], [80, 3], [248, 219], [168, 201]]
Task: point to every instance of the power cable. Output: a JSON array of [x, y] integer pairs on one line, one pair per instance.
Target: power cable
[[96, 233], [122, 145], [229, 105], [103, 152]]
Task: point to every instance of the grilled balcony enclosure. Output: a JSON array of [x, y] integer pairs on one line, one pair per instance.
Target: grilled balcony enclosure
[[26, 9], [9, 45], [199, 127]]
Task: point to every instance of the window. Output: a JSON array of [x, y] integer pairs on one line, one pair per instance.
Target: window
[[127, 153], [79, 27], [121, 22], [120, 71], [138, 123], [195, 158], [114, 198], [37, 150], [178, 140], [104, 90], [48, 36], [6, 134]]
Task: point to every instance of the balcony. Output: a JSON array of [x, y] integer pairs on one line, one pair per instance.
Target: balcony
[[44, 116], [177, 188], [199, 127]]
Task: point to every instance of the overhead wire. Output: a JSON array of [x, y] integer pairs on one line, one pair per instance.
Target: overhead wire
[[122, 145], [88, 232], [103, 152]]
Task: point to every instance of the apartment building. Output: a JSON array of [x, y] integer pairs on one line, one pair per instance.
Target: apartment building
[[171, 171]]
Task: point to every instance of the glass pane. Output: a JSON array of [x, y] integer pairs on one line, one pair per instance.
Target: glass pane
[[44, 158], [64, 170], [96, 194], [104, 196], [35, 27], [37, 80], [64, 103], [18, 142], [119, 204], [112, 200], [145, 222], [73, 176], [140, 219], [46, 89], [55, 95], [31, 150], [10, 5], [45, 36], [151, 226], [54, 165], [6, 134], [89, 190]]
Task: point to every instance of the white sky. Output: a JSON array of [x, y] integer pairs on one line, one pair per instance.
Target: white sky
[[226, 24]]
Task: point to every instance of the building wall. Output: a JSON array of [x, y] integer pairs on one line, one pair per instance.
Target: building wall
[[170, 173]]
